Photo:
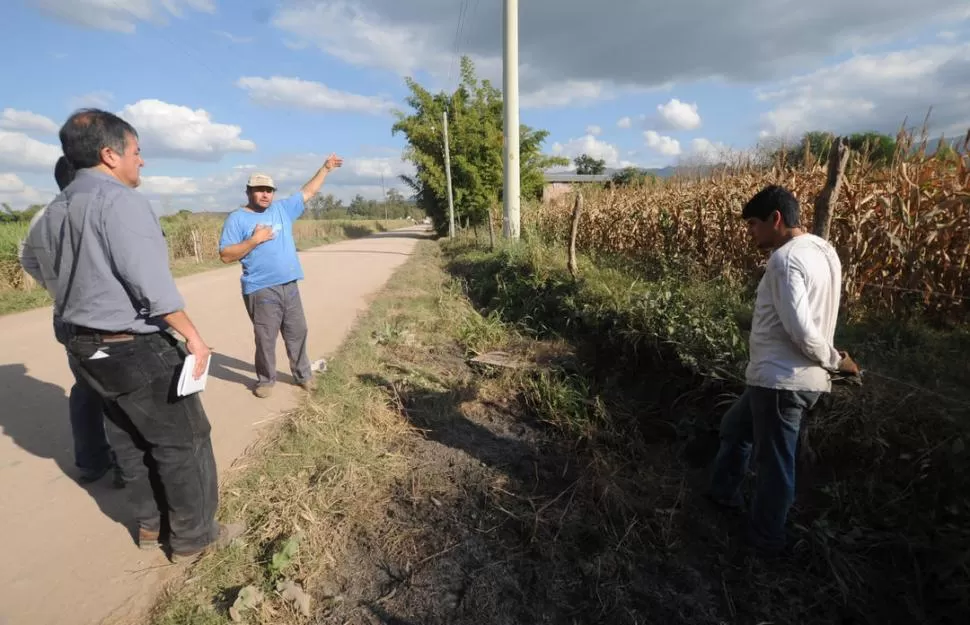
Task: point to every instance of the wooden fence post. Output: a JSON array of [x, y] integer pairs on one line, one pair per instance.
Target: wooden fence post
[[573, 231], [829, 196], [491, 231]]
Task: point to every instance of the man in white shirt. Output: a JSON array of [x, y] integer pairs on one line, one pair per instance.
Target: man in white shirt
[[791, 356]]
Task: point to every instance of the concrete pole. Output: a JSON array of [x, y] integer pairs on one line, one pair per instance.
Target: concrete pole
[[451, 202], [510, 102]]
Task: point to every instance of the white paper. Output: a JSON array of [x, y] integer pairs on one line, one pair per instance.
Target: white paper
[[187, 383], [98, 355]]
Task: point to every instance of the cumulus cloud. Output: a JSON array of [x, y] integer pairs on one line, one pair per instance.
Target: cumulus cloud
[[18, 152], [624, 122], [95, 99], [679, 115], [589, 144], [12, 119], [119, 16], [594, 130], [305, 94], [170, 130], [875, 92], [19, 195], [709, 151], [224, 191], [668, 146], [421, 34]]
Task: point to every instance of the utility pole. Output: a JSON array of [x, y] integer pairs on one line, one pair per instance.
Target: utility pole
[[510, 105], [384, 193], [451, 202]]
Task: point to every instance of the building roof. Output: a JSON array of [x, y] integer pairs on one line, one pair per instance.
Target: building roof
[[573, 177]]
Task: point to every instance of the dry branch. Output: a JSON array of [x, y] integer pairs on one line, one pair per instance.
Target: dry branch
[[573, 231], [829, 197]]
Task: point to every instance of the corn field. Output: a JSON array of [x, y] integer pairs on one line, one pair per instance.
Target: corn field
[[902, 232], [193, 239]]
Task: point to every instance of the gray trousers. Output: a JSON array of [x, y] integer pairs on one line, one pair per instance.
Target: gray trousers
[[278, 310]]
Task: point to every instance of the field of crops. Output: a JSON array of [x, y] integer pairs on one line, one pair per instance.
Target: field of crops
[[902, 232], [191, 238]]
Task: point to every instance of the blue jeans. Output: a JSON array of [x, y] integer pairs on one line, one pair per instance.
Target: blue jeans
[[767, 420], [92, 453]]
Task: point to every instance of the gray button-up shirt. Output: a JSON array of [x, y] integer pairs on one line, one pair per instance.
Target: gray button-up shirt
[[108, 234]]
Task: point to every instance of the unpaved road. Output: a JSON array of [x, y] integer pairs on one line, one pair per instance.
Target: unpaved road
[[66, 554]]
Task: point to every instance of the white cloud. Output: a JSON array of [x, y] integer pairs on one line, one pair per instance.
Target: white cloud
[[12, 119], [624, 122], [170, 130], [19, 152], [95, 99], [668, 146], [588, 144], [19, 195], [876, 92], [709, 151], [679, 115], [224, 191], [305, 94], [117, 15], [594, 130]]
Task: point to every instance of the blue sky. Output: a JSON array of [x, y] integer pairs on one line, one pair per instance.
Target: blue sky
[[218, 88]]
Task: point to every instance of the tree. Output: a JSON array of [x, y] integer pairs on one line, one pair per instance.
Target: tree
[[587, 165], [632, 176], [476, 137]]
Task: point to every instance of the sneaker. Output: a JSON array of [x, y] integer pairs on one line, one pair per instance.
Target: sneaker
[[228, 532], [308, 385], [263, 391], [147, 539]]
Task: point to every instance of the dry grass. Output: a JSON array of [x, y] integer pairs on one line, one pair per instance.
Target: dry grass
[[903, 232]]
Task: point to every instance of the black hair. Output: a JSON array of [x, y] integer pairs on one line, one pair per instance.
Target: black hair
[[87, 131], [64, 172], [770, 199]]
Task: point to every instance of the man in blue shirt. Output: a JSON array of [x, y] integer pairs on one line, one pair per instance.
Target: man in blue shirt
[[260, 235]]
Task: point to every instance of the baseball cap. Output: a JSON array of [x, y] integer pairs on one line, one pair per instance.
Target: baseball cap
[[260, 180]]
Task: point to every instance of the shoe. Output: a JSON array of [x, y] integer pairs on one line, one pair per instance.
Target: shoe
[[147, 539], [263, 391], [227, 533], [308, 386], [88, 477]]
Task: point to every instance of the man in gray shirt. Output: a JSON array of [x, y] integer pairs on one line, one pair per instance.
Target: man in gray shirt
[[92, 453], [118, 302]]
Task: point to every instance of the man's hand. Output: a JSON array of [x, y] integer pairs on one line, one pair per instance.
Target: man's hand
[[847, 365], [333, 162], [262, 233], [202, 353]]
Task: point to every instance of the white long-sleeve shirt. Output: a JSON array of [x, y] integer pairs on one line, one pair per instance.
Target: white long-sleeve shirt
[[36, 261], [796, 309]]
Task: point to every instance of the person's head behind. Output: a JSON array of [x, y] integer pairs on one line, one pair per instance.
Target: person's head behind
[[63, 172], [772, 214], [260, 190], [96, 138]]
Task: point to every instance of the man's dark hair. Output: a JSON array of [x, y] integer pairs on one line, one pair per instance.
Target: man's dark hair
[[64, 172], [770, 199], [87, 131]]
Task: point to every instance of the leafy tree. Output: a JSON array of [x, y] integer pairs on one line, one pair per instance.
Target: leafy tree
[[632, 176], [589, 166], [476, 138], [10, 216]]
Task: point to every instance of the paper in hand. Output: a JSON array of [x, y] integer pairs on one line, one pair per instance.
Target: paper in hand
[[187, 382]]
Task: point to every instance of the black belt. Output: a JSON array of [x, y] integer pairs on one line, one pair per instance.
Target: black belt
[[103, 335]]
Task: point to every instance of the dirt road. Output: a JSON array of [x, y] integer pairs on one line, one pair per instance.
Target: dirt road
[[68, 557]]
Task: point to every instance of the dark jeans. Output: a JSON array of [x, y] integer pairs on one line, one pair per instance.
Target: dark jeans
[[161, 440], [768, 420], [92, 453], [278, 310]]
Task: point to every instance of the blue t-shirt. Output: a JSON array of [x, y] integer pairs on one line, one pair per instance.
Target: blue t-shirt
[[273, 262]]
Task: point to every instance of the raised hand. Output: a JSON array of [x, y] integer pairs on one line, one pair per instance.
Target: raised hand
[[333, 161]]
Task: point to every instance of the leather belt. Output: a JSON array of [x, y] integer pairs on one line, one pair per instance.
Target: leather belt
[[103, 335]]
